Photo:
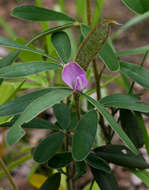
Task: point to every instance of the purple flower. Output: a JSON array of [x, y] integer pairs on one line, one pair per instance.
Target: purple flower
[[74, 76]]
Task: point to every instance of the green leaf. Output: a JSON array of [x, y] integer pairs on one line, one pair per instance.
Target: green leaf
[[109, 57], [36, 123], [18, 105], [143, 175], [62, 115], [7, 60], [121, 155], [48, 147], [106, 53], [136, 73], [84, 136], [140, 50], [114, 125], [13, 55], [14, 135], [106, 181], [130, 23], [144, 130], [53, 182], [37, 106], [92, 44], [61, 42], [125, 101], [42, 103], [11, 44], [60, 160], [131, 127], [98, 163], [34, 13], [26, 69], [81, 169], [138, 6]]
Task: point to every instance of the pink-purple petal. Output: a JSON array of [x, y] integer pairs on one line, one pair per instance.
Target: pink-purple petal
[[74, 76]]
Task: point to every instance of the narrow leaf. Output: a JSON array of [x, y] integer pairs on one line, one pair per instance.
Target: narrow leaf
[[10, 44], [18, 105], [144, 130], [121, 155], [36, 123], [26, 69], [84, 136], [38, 105], [130, 23], [125, 101], [48, 147], [136, 73], [34, 13], [140, 50], [61, 42], [114, 125]]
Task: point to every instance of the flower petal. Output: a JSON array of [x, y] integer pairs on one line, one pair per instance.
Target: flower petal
[[81, 83], [74, 76]]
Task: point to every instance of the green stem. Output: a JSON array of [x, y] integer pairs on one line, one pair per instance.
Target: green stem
[[77, 103], [16, 163], [88, 10], [96, 76], [5, 169]]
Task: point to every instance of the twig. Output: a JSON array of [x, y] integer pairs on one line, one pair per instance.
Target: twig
[[5, 169]]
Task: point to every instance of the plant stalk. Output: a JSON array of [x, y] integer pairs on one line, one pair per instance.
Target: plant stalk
[[5, 169]]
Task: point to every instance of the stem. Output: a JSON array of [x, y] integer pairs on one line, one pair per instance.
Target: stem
[[97, 82], [88, 9], [77, 103], [5, 169]]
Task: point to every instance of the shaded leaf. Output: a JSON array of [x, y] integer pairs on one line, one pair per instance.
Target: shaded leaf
[[61, 42], [53, 182], [36, 123], [60, 160], [131, 127], [81, 169], [48, 147], [121, 155], [62, 115], [84, 136], [114, 125], [98, 163], [105, 180]]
